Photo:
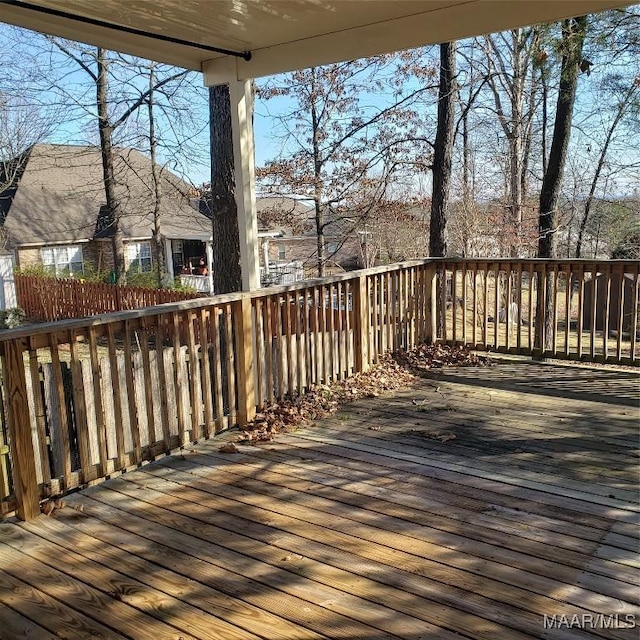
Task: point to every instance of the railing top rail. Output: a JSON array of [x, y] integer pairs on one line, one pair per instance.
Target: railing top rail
[[61, 326], [541, 261]]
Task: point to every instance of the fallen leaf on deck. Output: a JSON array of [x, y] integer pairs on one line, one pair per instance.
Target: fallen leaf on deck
[[51, 505], [229, 448]]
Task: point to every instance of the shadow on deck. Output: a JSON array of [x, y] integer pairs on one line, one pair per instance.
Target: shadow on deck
[[480, 503]]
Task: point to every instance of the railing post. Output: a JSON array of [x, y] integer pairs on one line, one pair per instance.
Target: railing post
[[23, 461], [361, 322], [243, 330]]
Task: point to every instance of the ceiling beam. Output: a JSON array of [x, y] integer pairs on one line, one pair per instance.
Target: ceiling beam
[[464, 19], [180, 55]]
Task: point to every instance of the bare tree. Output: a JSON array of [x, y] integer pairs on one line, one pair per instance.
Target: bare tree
[[443, 150], [111, 107], [512, 79], [573, 34], [338, 138]]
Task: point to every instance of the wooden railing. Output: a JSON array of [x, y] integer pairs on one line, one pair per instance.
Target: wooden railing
[[500, 305], [86, 399], [52, 299]]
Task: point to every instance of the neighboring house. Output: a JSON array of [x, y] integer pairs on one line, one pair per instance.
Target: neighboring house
[[8, 298], [289, 241], [54, 213]]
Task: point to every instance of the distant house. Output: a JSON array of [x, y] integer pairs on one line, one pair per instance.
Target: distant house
[[54, 213], [289, 241]]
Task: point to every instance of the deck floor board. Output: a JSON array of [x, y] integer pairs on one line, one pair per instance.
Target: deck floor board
[[471, 505]]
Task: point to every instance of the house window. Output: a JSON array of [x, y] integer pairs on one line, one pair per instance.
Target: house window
[[139, 257], [65, 262], [282, 251]]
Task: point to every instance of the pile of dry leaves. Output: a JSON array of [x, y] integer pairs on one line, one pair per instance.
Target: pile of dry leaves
[[391, 373], [436, 356], [323, 400]]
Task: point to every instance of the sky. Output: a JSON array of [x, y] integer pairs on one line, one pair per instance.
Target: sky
[[195, 168]]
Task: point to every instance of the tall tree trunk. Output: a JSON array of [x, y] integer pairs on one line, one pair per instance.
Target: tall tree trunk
[[442, 154], [318, 187], [516, 150], [573, 33], [158, 248], [106, 149], [443, 151], [227, 272]]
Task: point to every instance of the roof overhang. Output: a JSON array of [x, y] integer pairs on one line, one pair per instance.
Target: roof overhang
[[241, 39]]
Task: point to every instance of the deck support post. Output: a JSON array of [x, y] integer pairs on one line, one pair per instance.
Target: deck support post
[[25, 480], [361, 322], [240, 92], [243, 330]]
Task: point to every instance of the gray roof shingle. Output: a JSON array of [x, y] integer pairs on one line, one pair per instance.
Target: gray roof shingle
[[60, 194]]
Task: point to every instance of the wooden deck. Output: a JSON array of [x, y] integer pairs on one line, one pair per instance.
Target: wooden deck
[[469, 506]]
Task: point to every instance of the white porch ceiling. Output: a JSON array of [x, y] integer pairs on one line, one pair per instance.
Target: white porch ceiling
[[280, 35]]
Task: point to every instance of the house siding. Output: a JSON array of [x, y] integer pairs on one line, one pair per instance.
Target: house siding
[[26, 258], [304, 249], [96, 255]]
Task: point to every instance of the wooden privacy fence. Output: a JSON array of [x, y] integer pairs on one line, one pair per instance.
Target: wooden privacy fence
[[51, 299], [85, 399]]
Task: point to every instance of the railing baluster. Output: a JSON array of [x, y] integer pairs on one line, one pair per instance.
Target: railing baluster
[[580, 276], [474, 296], [454, 298], [258, 310], [231, 373], [465, 336], [496, 309], [131, 393], [389, 333], [635, 295], [80, 413], [216, 326], [554, 326], [178, 378], [147, 382], [318, 334], [443, 302], [61, 417], [298, 310], [620, 310], [42, 454], [607, 312], [568, 284], [348, 345], [203, 323], [289, 342], [507, 307], [326, 339], [195, 383], [268, 337]]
